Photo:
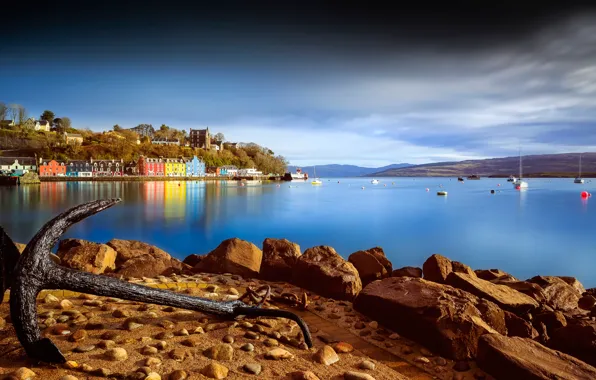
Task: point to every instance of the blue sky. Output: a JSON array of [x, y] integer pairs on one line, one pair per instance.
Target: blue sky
[[328, 99]]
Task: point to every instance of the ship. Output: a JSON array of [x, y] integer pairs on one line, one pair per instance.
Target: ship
[[297, 176]]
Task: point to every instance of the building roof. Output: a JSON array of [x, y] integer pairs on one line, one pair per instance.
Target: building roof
[[166, 140], [82, 162], [43, 122], [22, 160]]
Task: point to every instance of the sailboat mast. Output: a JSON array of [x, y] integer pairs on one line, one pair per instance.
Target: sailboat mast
[[580, 165], [520, 164]]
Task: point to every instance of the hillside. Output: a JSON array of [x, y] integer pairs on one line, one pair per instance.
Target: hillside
[[334, 170], [545, 165]]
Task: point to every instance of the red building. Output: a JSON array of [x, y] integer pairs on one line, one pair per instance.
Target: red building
[[151, 166], [52, 168]]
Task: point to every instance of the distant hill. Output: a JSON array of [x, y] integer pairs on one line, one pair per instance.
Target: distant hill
[[334, 170], [544, 165]]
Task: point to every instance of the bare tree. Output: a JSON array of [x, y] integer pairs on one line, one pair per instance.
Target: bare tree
[[219, 137], [3, 111], [13, 111], [66, 123], [22, 115]]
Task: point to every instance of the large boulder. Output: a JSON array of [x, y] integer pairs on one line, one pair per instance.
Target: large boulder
[[436, 268], [138, 259], [279, 258], [323, 271], [66, 244], [234, 256], [559, 294], [193, 259], [519, 358], [574, 282], [21, 247], [517, 326], [448, 321], [552, 320], [504, 296], [577, 339], [89, 257], [528, 288], [371, 265], [490, 274], [407, 272]]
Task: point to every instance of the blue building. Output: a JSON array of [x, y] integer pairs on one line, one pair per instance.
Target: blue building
[[79, 169], [195, 167]]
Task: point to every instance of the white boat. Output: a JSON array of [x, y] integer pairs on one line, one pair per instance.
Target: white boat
[[518, 183], [374, 181], [299, 176], [511, 179], [316, 181], [579, 178]]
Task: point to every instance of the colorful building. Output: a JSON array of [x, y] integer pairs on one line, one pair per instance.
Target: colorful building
[[228, 170], [52, 168], [213, 171], [175, 167], [195, 167], [107, 168], [151, 166], [17, 166], [79, 169], [130, 168]]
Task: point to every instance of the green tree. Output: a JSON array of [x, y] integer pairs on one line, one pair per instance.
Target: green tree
[[66, 123], [48, 116], [219, 137], [117, 128]]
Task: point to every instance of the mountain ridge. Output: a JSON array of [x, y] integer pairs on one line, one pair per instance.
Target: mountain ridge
[[339, 170]]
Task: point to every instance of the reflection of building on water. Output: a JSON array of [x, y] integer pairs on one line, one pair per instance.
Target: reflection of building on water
[[53, 194], [174, 200], [153, 196]]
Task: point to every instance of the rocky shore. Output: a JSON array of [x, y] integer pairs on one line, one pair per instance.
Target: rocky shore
[[369, 320]]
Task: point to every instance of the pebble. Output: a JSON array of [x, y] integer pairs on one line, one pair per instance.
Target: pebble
[[95, 303], [78, 336], [271, 342], [23, 373], [85, 296], [343, 347], [426, 352], [151, 314], [439, 361], [50, 298], [116, 354], [189, 342], [168, 309], [248, 347], [303, 375], [406, 350], [422, 359], [68, 377], [252, 368], [278, 354], [178, 375], [145, 339], [212, 288], [258, 329], [228, 339], [271, 323], [50, 322], [359, 325], [164, 335], [85, 348], [102, 372], [148, 350], [86, 368], [161, 345], [246, 324], [233, 291], [132, 324], [199, 330], [121, 313], [108, 307], [389, 345], [334, 316], [182, 332], [326, 355], [220, 352], [394, 336], [251, 335], [71, 364], [374, 325], [95, 326], [365, 332], [166, 324], [152, 361], [367, 364], [351, 375], [153, 376], [66, 304], [215, 371], [63, 319], [178, 354], [106, 344]]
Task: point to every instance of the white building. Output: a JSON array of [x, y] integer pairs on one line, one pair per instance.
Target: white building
[[18, 165], [42, 125], [251, 172]]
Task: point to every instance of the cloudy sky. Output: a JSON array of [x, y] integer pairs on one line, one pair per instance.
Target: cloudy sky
[[318, 84]]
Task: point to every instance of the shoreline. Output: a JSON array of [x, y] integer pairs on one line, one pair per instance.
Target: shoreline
[[145, 179]]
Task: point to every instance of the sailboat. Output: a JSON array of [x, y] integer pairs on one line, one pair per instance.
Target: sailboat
[[579, 178], [316, 180], [519, 183]]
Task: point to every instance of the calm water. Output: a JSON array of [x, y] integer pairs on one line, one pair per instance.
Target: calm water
[[547, 229]]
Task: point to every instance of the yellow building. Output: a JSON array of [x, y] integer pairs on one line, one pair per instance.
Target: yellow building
[[175, 167]]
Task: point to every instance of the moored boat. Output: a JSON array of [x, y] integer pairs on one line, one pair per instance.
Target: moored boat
[[374, 181], [579, 178], [473, 176]]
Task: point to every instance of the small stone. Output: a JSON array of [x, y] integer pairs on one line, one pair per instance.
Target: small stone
[[422, 359], [152, 361], [108, 307], [116, 354], [85, 296], [252, 368], [93, 303], [461, 366], [148, 350], [233, 291], [144, 370], [178, 354], [248, 347], [303, 375], [168, 309], [389, 344], [343, 347], [258, 329], [220, 352], [246, 324], [182, 332], [251, 335], [110, 335], [189, 342], [164, 335], [215, 370], [50, 298], [439, 361], [211, 288], [63, 319], [153, 376], [145, 339], [101, 372], [326, 355], [374, 325], [85, 348], [161, 345], [24, 373], [352, 375], [394, 336], [278, 354], [334, 316], [78, 336], [166, 324], [367, 364], [66, 304], [406, 350], [199, 330], [132, 324], [426, 352], [68, 377], [365, 333], [178, 375], [271, 323], [271, 342], [359, 325], [228, 339], [95, 326], [106, 344], [150, 314], [50, 322], [118, 313], [71, 364]]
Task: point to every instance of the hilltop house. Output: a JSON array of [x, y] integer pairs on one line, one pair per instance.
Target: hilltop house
[[229, 145], [79, 168], [175, 167], [195, 167], [17, 165], [150, 166], [200, 138], [42, 125], [6, 123], [165, 141], [73, 138], [52, 168], [107, 168], [216, 145]]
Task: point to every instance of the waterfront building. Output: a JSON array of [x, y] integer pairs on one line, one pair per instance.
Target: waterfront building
[[79, 168], [250, 172], [17, 165], [228, 170], [213, 171], [130, 168], [151, 166], [195, 167], [52, 168], [107, 168], [200, 138], [175, 167]]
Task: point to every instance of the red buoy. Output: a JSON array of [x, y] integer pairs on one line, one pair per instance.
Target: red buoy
[[585, 194], [517, 187]]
